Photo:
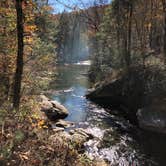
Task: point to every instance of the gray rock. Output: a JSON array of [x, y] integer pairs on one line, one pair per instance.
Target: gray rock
[[83, 132], [58, 129], [125, 90], [64, 124], [53, 109], [77, 137], [153, 117], [80, 136]]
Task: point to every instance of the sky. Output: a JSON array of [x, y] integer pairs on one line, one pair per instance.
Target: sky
[[61, 5]]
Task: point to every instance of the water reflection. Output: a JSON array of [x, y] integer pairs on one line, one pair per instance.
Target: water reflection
[[72, 83], [70, 76], [121, 143]]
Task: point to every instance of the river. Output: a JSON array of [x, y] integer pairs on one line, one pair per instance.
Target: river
[[117, 141]]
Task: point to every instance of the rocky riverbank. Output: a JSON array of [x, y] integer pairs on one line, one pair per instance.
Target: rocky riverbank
[[139, 95], [54, 113]]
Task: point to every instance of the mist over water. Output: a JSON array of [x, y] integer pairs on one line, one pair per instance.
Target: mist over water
[[116, 140], [74, 46]]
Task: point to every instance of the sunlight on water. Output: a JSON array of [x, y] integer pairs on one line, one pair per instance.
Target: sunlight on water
[[112, 141]]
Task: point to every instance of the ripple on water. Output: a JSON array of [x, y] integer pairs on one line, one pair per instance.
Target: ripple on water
[[111, 141]]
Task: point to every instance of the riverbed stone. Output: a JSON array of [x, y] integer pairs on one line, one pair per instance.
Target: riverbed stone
[[153, 116], [124, 92], [79, 137], [132, 90], [101, 163], [53, 109], [58, 129], [83, 132], [64, 124]]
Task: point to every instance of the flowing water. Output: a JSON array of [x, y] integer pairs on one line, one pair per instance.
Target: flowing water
[[116, 140]]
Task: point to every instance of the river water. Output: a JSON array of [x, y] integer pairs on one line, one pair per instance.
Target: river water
[[116, 140]]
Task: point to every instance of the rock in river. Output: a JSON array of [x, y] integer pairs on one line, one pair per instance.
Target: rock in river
[[77, 136], [132, 90], [153, 117], [53, 109], [64, 124]]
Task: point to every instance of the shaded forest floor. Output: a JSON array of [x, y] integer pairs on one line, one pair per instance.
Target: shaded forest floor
[[24, 140]]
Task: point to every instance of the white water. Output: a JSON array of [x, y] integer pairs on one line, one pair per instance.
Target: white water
[[112, 141], [87, 63]]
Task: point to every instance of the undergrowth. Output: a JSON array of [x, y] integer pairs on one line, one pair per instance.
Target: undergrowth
[[24, 141]]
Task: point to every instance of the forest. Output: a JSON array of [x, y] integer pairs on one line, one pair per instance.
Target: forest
[[83, 82]]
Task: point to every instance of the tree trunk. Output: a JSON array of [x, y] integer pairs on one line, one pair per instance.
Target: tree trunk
[[118, 31], [20, 48], [129, 33], [164, 40]]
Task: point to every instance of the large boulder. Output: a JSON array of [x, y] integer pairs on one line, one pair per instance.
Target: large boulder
[[77, 136], [153, 117], [124, 93], [131, 90], [53, 109], [126, 89], [64, 124]]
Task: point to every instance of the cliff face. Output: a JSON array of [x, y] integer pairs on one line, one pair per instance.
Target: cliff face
[[139, 95], [127, 89]]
